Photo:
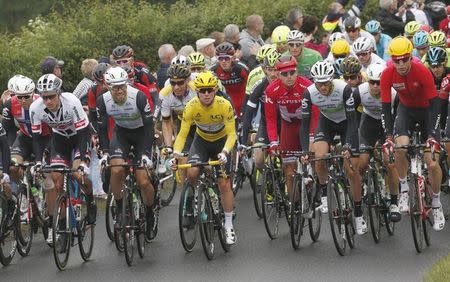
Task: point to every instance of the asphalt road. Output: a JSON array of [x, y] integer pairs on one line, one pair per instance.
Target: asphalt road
[[254, 258]]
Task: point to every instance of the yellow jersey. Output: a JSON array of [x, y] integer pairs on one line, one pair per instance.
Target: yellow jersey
[[213, 123]]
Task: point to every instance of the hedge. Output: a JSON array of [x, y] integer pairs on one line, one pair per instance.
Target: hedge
[[92, 28]]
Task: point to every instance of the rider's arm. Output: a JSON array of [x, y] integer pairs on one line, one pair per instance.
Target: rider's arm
[[167, 122], [102, 121], [147, 119], [270, 110], [81, 122], [250, 109], [92, 102], [306, 119], [350, 112], [386, 99], [6, 154], [435, 104], [39, 141], [8, 122], [229, 121], [185, 126]]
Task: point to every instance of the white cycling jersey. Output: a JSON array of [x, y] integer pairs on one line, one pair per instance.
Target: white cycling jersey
[[172, 103]]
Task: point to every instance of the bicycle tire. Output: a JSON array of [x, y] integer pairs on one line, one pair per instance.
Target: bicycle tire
[[427, 202], [110, 215], [415, 213], [24, 234], [128, 224], [206, 220], [336, 218], [62, 235], [141, 227], [168, 189], [255, 178], [296, 217], [270, 208], [8, 240], [86, 235], [349, 222], [315, 222], [374, 206], [188, 233]]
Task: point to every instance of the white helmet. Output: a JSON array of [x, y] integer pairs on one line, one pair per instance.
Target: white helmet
[[296, 36], [322, 71], [180, 59], [335, 36], [362, 44], [374, 71], [116, 76], [21, 85], [48, 83]]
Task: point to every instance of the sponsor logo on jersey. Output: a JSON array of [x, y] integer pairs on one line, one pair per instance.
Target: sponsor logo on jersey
[[399, 86]]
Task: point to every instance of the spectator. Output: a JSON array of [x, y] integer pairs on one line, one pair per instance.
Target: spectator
[[444, 25], [294, 19], [251, 40], [87, 67], [186, 50], [309, 28], [205, 46], [218, 36], [232, 35], [391, 18], [166, 53], [419, 15], [52, 65], [333, 21]]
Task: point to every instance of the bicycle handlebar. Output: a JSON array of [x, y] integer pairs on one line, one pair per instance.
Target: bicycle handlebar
[[211, 163]]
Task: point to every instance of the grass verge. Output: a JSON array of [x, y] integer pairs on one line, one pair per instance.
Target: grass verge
[[440, 271]]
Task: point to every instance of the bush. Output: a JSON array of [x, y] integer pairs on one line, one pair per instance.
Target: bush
[[93, 28]]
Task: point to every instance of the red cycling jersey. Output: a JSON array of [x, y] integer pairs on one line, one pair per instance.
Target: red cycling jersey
[[143, 76], [93, 93], [414, 90], [234, 82], [445, 87], [289, 103], [146, 90]]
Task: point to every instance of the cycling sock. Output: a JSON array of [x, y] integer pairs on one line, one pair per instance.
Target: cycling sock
[[394, 200], [228, 219], [403, 185], [436, 201], [324, 189], [358, 209]]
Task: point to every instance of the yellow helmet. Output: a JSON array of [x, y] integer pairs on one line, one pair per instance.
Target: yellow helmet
[[205, 79], [340, 47], [437, 39], [263, 51], [411, 28], [280, 34], [196, 59], [400, 46]]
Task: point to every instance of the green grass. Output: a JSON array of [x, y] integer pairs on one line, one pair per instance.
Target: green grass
[[440, 271]]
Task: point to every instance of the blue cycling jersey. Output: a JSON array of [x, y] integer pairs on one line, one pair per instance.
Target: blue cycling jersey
[[382, 46]]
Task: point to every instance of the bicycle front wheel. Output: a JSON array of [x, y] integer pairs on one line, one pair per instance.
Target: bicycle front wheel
[[206, 219], [374, 205], [86, 234], [270, 204], [62, 235], [297, 220], [255, 181], [168, 189], [128, 225], [7, 234], [110, 215], [315, 221], [187, 220], [24, 229], [336, 216], [416, 217]]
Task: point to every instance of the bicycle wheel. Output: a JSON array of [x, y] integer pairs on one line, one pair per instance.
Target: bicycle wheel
[[141, 225], [62, 234], [415, 212], [336, 217], [86, 234], [187, 220], [427, 202], [349, 223], [238, 179], [24, 234], [374, 206], [128, 225], [256, 180], [315, 221], [167, 190], [110, 215], [7, 234], [270, 204], [205, 217], [296, 216]]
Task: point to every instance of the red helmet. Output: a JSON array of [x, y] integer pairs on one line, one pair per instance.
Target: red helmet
[[286, 63], [426, 28]]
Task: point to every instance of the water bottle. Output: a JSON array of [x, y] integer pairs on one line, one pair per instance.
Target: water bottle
[[214, 200], [41, 200]]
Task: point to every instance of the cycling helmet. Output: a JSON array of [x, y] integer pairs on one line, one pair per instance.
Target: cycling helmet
[[286, 63], [322, 71], [337, 66], [340, 47], [264, 51], [280, 34], [271, 59], [179, 59], [122, 51], [205, 79], [21, 85], [400, 46], [49, 82], [296, 36], [411, 28], [196, 59], [426, 28], [350, 66], [224, 49], [362, 44], [335, 36], [99, 71], [116, 76], [436, 56], [374, 71], [373, 26], [178, 71], [352, 22], [437, 39], [420, 39]]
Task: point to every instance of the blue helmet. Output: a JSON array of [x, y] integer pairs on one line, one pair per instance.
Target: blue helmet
[[373, 26], [436, 56], [337, 67], [420, 39]]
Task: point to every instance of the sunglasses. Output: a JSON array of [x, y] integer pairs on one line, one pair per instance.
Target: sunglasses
[[23, 97], [435, 66], [374, 82], [123, 61], [293, 45], [48, 97], [320, 84], [399, 60], [363, 54], [350, 77], [179, 83], [224, 58], [349, 30], [286, 73], [270, 69], [197, 69], [206, 90], [340, 56]]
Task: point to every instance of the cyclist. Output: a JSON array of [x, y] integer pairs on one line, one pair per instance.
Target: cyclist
[[363, 49], [133, 118], [352, 72], [335, 36], [232, 74], [258, 73], [420, 42], [305, 57], [214, 138], [279, 38], [382, 39], [437, 39], [339, 49], [337, 117], [96, 90], [4, 167], [411, 28], [353, 31], [419, 103], [63, 112], [371, 131]]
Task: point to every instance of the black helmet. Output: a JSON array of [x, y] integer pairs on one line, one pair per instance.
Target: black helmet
[[122, 51], [350, 66], [225, 48], [352, 22], [99, 71], [178, 71]]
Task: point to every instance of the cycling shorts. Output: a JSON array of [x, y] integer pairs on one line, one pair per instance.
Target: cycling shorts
[[406, 120], [63, 150], [290, 139], [261, 134], [123, 139], [370, 131], [23, 147], [327, 129]]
